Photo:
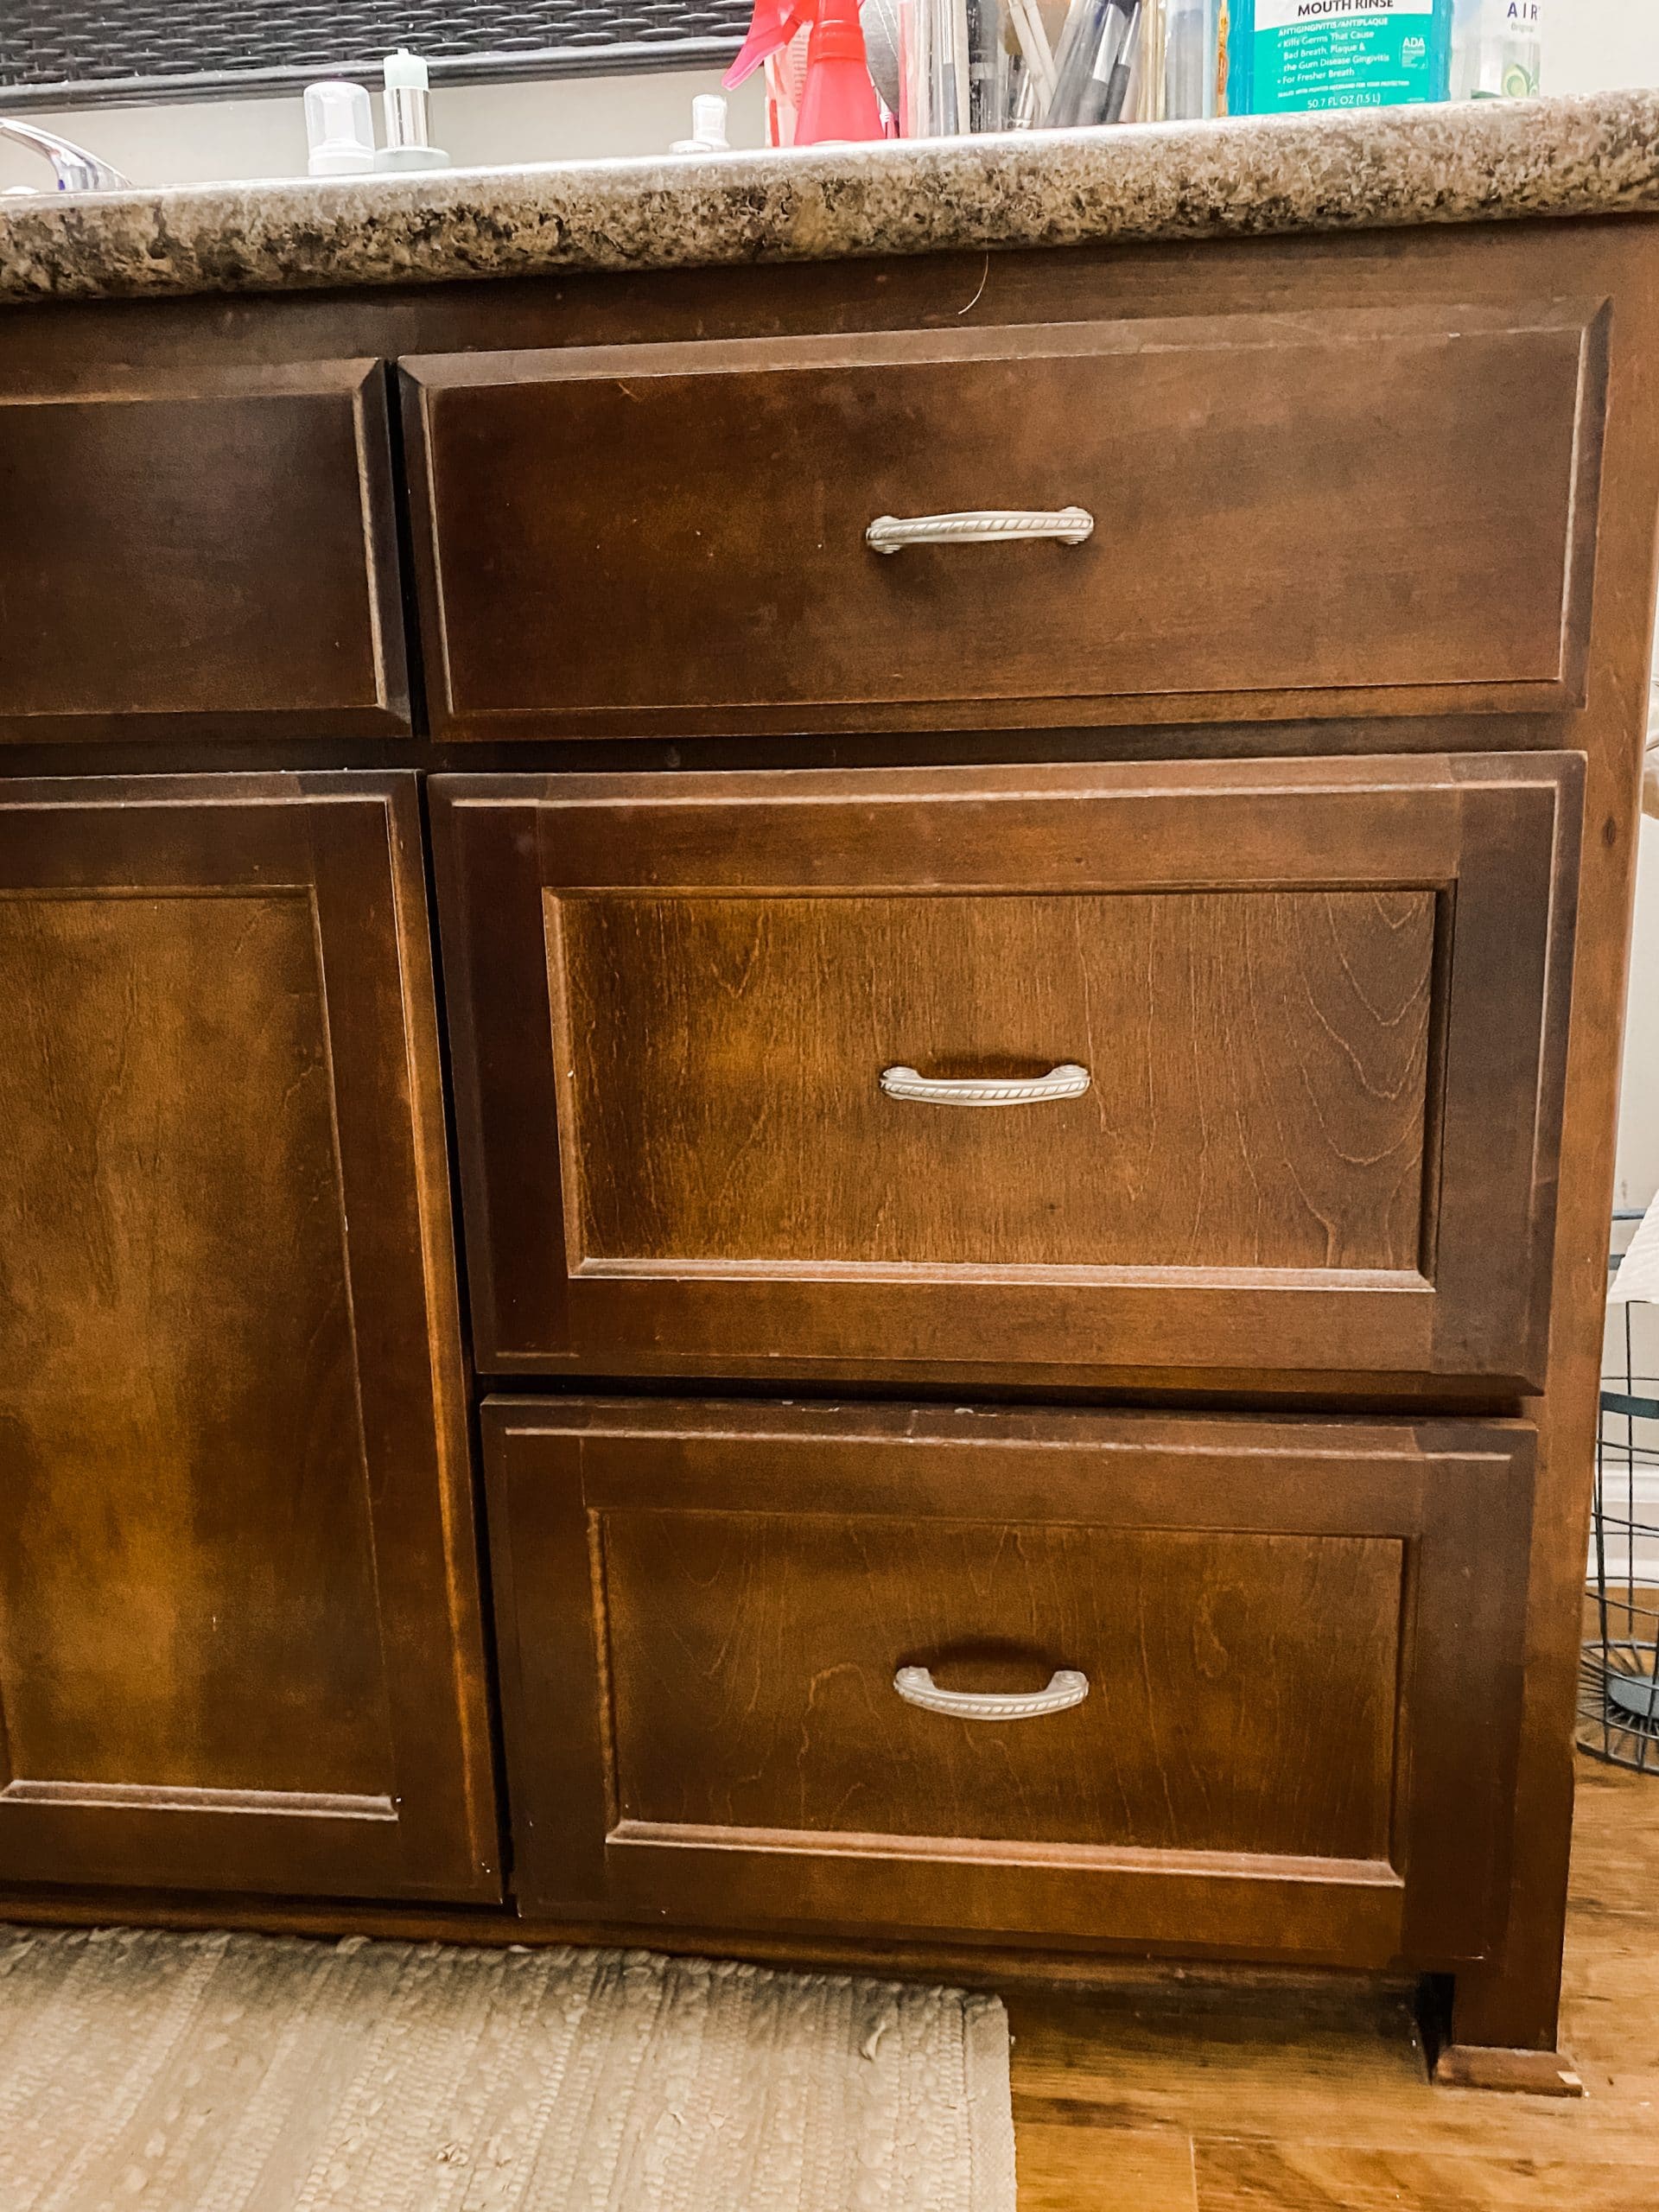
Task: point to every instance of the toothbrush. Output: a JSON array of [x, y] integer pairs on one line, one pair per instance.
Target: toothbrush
[[1091, 43], [1118, 84], [1035, 45]]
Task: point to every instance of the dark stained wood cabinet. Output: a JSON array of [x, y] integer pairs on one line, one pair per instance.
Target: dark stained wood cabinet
[[1033, 977], [1277, 503], [193, 550], [716, 1039], [1297, 1721], [239, 1640]]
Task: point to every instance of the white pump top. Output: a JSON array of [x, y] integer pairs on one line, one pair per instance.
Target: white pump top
[[708, 127], [406, 72]]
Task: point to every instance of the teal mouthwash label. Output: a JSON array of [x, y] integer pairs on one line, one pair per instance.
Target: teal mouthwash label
[[1316, 54]]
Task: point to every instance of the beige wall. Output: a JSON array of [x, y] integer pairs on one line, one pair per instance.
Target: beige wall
[[1593, 43], [1617, 42], [1638, 1122]]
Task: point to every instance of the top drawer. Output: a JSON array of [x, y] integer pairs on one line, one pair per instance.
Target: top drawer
[[1290, 514], [200, 549]]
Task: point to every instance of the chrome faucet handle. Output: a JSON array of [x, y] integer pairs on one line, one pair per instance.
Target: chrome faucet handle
[[75, 169]]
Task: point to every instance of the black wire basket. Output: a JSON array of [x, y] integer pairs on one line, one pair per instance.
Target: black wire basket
[[1619, 1678]]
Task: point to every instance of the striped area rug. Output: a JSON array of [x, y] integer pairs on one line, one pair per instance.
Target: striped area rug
[[212, 2073]]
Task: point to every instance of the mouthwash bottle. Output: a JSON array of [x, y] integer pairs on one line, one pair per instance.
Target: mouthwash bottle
[[1287, 56]]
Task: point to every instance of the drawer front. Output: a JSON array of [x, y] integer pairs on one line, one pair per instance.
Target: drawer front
[[1269, 1673], [1302, 509], [208, 551], [1274, 1049]]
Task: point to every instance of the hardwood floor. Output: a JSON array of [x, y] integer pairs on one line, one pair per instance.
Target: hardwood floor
[[1190, 2096]]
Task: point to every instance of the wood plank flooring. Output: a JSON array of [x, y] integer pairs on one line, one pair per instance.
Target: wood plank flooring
[[1165, 2095]]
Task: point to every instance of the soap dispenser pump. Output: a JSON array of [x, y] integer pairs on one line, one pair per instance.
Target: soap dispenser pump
[[339, 130], [407, 82], [708, 127]]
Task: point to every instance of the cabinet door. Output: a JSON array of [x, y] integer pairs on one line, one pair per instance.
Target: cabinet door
[[208, 552], [239, 1640], [1186, 1070], [1263, 1679]]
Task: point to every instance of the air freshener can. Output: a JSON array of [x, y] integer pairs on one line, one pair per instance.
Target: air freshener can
[[1511, 60]]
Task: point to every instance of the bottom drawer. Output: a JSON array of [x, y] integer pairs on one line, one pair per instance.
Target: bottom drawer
[[1266, 1675]]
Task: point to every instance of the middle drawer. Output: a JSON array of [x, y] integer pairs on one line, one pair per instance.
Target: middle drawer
[[1191, 1069]]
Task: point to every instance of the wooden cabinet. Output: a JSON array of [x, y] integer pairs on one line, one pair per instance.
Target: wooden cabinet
[[704, 534], [750, 1656], [1274, 1050], [201, 553], [239, 1640], [1170, 955]]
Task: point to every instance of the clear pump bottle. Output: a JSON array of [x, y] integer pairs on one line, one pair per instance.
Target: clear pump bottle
[[339, 128], [406, 98]]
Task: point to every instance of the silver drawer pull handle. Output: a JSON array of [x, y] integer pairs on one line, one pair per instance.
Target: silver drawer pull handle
[[917, 1687], [1068, 1082], [979, 526]]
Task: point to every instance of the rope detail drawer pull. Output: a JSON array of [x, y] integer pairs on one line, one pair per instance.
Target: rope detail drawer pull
[[980, 526], [1068, 1082], [917, 1687]]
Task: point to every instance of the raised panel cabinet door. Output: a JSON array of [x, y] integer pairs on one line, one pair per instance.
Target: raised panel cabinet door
[[206, 552], [1263, 1679], [1287, 514], [1189, 1070], [239, 1637]]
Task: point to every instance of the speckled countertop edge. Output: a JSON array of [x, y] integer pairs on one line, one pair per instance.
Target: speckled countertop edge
[[1473, 163]]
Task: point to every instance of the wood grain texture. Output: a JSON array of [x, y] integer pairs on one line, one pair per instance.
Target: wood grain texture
[[716, 1600], [1296, 282], [1514, 2001], [187, 1257], [1241, 1688], [723, 1102], [1249, 2178], [1298, 2098], [239, 1640], [1324, 1003], [191, 548], [1352, 534], [1444, 270], [1100, 2170], [1510, 2073]]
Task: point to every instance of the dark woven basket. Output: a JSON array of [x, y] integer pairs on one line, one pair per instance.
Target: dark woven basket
[[56, 52], [1619, 1675]]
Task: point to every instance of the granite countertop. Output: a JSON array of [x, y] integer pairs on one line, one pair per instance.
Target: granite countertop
[[1474, 162]]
